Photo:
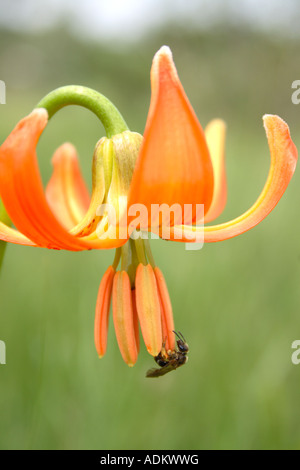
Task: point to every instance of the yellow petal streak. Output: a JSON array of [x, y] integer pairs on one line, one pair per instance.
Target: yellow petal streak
[[215, 138]]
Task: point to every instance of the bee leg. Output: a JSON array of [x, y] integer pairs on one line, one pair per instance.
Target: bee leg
[[164, 353]]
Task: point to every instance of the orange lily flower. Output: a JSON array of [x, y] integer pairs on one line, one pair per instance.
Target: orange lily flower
[[177, 163]]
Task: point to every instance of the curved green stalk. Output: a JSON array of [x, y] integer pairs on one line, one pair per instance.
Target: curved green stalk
[[108, 114]]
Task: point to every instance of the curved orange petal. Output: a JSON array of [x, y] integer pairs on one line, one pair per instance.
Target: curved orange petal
[[173, 166], [8, 234], [283, 163], [66, 192], [102, 311], [123, 316], [22, 191], [21, 187], [215, 137]]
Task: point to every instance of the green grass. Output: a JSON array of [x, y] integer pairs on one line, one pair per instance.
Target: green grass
[[237, 303]]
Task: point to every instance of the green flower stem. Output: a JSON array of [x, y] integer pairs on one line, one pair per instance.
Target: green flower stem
[[4, 217], [140, 249], [128, 261], [108, 114], [117, 258], [149, 253], [126, 257]]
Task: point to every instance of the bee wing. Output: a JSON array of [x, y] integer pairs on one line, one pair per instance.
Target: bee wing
[[152, 372], [159, 372]]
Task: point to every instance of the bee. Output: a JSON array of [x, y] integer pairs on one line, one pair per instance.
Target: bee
[[170, 360]]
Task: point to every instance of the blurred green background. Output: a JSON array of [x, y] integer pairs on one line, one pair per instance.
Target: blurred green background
[[237, 302]]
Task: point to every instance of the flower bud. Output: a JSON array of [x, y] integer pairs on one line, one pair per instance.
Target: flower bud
[[113, 165]]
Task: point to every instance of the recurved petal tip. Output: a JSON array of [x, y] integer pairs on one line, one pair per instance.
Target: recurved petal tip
[[274, 123], [163, 64], [42, 113], [163, 52], [66, 151], [280, 143]]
